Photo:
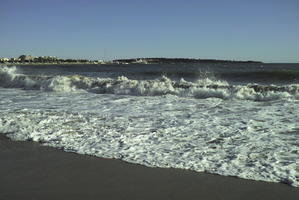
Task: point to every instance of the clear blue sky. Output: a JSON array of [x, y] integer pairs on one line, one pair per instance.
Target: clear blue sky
[[266, 30]]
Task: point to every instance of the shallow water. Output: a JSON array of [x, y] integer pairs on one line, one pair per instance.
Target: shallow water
[[161, 116]]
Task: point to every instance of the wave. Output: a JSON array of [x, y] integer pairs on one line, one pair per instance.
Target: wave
[[202, 88], [273, 75], [250, 141], [256, 75]]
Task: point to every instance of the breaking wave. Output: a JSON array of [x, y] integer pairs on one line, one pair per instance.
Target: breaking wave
[[231, 137], [202, 88]]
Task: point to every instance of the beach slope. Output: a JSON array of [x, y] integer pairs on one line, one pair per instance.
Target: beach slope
[[31, 171]]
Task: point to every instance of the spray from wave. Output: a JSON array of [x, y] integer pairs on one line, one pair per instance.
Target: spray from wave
[[202, 88], [247, 139]]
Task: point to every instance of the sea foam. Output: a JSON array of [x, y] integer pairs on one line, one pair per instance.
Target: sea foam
[[203, 88], [255, 140], [249, 131]]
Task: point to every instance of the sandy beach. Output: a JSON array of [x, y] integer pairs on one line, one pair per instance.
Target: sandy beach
[[31, 171]]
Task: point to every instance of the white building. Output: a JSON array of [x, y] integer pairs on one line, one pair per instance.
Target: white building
[[4, 59], [26, 58]]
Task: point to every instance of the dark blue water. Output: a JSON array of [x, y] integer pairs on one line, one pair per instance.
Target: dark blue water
[[232, 73]]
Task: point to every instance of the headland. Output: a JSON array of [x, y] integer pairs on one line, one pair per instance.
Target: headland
[[52, 60]]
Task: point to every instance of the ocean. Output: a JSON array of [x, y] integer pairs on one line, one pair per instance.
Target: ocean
[[228, 119]]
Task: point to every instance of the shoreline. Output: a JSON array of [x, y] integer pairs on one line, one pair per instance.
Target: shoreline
[[124, 64], [31, 171], [41, 64]]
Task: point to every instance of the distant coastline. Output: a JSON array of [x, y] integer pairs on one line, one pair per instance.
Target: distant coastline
[[176, 60], [46, 60], [52, 63], [51, 60]]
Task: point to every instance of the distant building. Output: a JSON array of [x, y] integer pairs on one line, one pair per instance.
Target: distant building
[[26, 58], [100, 61], [3, 60], [13, 60], [46, 59], [141, 61]]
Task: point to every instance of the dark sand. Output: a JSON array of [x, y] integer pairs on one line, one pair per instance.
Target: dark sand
[[31, 171]]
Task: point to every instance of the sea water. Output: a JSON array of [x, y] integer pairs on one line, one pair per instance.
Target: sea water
[[228, 119]]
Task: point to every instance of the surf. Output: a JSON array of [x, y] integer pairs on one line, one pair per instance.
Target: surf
[[200, 89]]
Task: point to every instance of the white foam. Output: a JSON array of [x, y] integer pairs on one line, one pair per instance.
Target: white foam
[[203, 88], [252, 140]]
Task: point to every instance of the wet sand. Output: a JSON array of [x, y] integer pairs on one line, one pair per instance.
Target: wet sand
[[31, 171]]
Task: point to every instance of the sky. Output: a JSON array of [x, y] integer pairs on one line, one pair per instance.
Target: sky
[[264, 30]]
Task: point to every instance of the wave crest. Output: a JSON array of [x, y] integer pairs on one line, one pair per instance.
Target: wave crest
[[203, 88]]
